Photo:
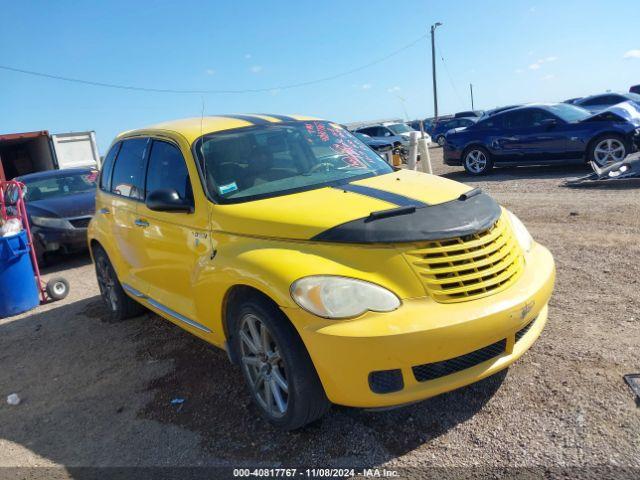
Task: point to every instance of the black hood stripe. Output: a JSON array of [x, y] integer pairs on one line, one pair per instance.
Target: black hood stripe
[[282, 118], [248, 118], [376, 193], [456, 218]]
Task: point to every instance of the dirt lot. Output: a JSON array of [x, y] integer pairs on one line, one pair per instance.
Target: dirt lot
[[97, 393]]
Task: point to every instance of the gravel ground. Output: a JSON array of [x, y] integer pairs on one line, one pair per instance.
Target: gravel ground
[[97, 393]]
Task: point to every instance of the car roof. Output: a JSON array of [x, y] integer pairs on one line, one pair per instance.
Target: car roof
[[54, 173], [621, 94], [193, 128]]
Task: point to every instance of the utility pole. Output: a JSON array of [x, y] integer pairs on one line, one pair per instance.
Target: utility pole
[[433, 68], [471, 88]]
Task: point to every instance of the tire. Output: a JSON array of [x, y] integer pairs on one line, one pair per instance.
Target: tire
[[440, 140], [276, 366], [607, 148], [119, 304], [57, 288], [477, 161]]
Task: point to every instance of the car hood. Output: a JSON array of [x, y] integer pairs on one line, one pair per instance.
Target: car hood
[[307, 215], [77, 205], [374, 142], [627, 111]]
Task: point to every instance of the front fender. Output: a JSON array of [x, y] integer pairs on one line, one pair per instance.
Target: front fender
[[272, 265]]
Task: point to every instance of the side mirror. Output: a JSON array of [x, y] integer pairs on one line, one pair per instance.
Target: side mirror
[[549, 123], [167, 200]]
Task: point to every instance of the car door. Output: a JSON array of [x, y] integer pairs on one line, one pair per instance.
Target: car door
[[507, 143], [175, 243], [126, 191]]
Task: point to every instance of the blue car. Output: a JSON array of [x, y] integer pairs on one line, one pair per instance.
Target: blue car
[[540, 134], [60, 204], [440, 129], [597, 103]]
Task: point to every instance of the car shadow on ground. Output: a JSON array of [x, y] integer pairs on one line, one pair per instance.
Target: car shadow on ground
[[218, 407], [58, 262], [91, 387], [499, 174]]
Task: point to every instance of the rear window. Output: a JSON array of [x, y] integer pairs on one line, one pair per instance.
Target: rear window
[[128, 172], [107, 168]]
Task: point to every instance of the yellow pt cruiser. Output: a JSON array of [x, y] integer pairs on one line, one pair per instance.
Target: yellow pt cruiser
[[327, 275]]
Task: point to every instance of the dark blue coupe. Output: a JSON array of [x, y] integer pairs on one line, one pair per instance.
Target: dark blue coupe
[[543, 134]]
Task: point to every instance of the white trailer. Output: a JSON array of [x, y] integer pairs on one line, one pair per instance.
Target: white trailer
[[76, 149], [22, 153]]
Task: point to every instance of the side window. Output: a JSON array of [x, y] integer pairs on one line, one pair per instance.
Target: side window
[[167, 170], [128, 173], [107, 168], [537, 116]]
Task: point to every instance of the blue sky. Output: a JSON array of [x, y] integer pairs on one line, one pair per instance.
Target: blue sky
[[512, 51]]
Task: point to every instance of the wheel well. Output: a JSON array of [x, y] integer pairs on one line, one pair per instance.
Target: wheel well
[[92, 246], [469, 147], [231, 302], [587, 152]]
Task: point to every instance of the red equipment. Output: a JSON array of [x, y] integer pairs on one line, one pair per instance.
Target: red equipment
[[12, 207]]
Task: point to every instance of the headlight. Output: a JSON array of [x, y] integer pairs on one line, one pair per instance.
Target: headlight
[[522, 234], [331, 296], [51, 222]]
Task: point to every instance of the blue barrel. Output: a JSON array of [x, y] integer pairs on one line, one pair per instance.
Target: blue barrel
[[18, 290]]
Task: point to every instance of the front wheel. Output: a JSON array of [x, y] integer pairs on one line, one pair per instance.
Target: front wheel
[[608, 149], [276, 366], [477, 161], [120, 305], [440, 140]]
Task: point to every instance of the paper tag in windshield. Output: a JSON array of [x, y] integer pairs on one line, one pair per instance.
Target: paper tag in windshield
[[228, 188]]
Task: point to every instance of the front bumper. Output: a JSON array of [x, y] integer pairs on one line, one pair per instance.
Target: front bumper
[[53, 239], [422, 331]]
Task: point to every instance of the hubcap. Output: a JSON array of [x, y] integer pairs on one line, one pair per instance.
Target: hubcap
[[59, 288], [610, 150], [476, 161], [107, 285], [263, 366]]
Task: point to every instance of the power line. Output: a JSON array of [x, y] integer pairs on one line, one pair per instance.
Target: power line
[[201, 92], [446, 68]]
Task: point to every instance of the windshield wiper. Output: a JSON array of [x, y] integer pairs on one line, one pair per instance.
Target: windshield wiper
[[392, 212]]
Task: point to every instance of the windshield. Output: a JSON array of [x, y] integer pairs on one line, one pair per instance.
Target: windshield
[[633, 96], [60, 186], [276, 159], [569, 113], [399, 128]]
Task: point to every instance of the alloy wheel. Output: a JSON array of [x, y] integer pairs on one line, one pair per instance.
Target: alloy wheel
[[441, 141], [264, 366], [106, 282], [609, 150], [476, 161]]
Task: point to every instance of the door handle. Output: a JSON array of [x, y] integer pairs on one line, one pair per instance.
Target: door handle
[[104, 211], [141, 223]]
